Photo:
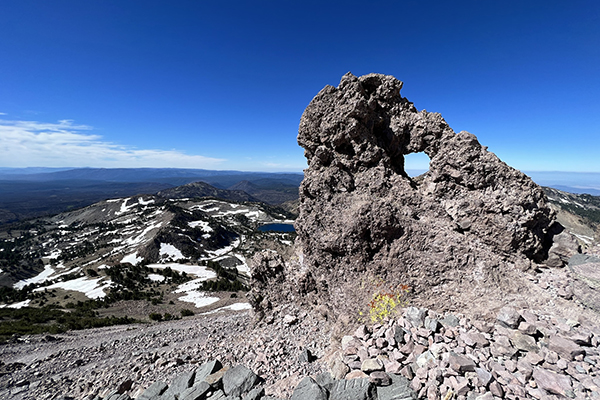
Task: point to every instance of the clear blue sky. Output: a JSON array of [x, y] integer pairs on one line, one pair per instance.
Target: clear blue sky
[[222, 85]]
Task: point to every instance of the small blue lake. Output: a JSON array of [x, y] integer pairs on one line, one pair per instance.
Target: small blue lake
[[277, 228]]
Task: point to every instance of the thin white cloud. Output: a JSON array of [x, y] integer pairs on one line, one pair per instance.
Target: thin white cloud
[[62, 144], [1, 113]]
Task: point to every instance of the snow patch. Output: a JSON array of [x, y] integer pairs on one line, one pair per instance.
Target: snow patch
[[199, 299], [132, 259], [203, 224], [18, 305], [586, 239], [55, 254], [243, 269], [145, 202], [156, 277], [224, 250], [90, 287], [41, 277], [232, 307], [140, 237], [196, 270], [170, 251]]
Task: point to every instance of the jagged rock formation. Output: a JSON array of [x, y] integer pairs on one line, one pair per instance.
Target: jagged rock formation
[[470, 220]]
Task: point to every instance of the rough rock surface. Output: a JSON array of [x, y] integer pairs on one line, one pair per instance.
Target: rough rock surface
[[471, 219]]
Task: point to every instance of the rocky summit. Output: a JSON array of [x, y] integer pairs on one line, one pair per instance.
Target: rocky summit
[[471, 220]]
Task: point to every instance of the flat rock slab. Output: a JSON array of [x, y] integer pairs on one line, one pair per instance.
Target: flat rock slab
[[153, 391], [354, 389], [579, 259], [195, 392], [207, 369], [552, 382], [564, 347], [398, 390]]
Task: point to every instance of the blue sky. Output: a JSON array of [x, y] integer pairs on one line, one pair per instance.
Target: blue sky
[[222, 85]]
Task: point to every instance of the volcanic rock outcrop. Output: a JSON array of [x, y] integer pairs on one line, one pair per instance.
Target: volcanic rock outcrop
[[467, 227]]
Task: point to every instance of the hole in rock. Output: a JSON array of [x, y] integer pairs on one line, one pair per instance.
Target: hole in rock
[[416, 164]]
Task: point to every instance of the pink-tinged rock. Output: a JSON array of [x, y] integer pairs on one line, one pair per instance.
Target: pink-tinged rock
[[524, 367], [508, 317], [354, 364], [410, 359], [357, 374], [362, 332], [483, 326], [537, 394], [529, 317], [407, 372], [433, 393], [533, 358], [552, 382], [415, 384], [524, 342], [393, 367], [517, 390], [435, 375], [363, 354], [372, 364], [581, 337], [527, 328], [510, 365], [496, 389], [421, 373], [374, 352], [419, 349], [380, 378], [562, 364], [461, 388], [408, 347], [474, 339], [484, 377], [565, 347], [397, 355], [501, 347], [381, 343], [460, 363]]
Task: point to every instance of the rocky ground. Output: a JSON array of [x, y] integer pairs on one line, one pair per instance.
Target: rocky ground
[[91, 362], [547, 351]]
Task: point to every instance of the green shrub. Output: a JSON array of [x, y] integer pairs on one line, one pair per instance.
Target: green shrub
[[186, 313], [156, 316]]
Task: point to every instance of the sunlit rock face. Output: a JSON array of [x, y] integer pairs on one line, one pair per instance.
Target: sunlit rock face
[[470, 220]]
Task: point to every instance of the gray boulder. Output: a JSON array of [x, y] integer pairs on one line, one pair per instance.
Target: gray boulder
[[307, 389], [238, 380]]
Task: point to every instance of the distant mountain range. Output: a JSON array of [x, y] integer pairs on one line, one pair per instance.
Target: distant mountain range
[[31, 192]]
